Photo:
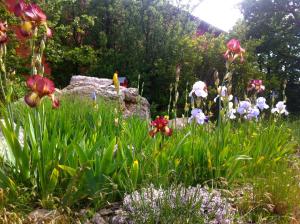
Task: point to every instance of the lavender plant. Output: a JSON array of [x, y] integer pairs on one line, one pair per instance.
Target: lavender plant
[[178, 204]]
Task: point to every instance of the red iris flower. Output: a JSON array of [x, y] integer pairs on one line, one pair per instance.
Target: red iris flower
[[34, 13], [160, 124], [256, 85], [3, 35], [32, 16], [30, 12], [19, 8], [234, 50], [40, 87]]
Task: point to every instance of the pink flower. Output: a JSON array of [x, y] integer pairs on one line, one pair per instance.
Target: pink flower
[[3, 35], [234, 46], [234, 50], [34, 13], [256, 85], [49, 32], [40, 87], [19, 8], [30, 12], [32, 16]]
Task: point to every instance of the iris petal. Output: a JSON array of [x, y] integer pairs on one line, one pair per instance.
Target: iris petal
[[32, 99]]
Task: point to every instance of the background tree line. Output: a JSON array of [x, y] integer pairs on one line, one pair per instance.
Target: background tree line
[[149, 38]]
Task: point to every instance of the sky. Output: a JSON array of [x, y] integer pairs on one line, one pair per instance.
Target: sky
[[222, 14]]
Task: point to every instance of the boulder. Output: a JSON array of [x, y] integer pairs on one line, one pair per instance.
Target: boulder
[[131, 102]]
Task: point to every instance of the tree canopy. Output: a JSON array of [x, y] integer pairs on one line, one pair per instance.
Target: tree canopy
[[276, 23], [150, 38]]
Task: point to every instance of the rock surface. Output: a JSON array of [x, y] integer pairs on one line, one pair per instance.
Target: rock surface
[[178, 123], [111, 214], [131, 102]]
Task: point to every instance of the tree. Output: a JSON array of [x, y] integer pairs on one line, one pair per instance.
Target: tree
[[138, 38], [277, 24], [15, 62]]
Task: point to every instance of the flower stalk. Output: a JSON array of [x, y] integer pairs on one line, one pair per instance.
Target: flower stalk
[[234, 51], [33, 20], [177, 77], [186, 105], [3, 73], [170, 99]]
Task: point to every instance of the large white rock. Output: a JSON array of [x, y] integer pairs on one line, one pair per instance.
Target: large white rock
[[132, 102]]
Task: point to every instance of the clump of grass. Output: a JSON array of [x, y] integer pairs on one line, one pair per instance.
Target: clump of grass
[[295, 127], [273, 197], [90, 160], [7, 217]]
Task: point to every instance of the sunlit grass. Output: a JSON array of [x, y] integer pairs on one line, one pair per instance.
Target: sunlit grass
[[90, 157]]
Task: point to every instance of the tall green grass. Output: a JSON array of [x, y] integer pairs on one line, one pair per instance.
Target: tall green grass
[[294, 125], [88, 157]]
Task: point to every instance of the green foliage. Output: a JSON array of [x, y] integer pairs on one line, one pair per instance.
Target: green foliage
[[278, 52], [86, 154], [274, 196], [78, 154], [276, 25], [143, 38], [146, 38], [15, 64], [203, 57], [294, 125]]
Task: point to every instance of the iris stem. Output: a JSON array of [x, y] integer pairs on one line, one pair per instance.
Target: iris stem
[[39, 127]]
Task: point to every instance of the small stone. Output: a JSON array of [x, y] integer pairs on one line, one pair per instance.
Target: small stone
[[105, 212], [88, 222], [46, 216], [115, 205], [83, 212], [97, 219], [121, 217]]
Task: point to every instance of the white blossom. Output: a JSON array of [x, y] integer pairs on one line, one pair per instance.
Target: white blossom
[[280, 108], [199, 89], [231, 111], [261, 103], [222, 90], [198, 116]]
